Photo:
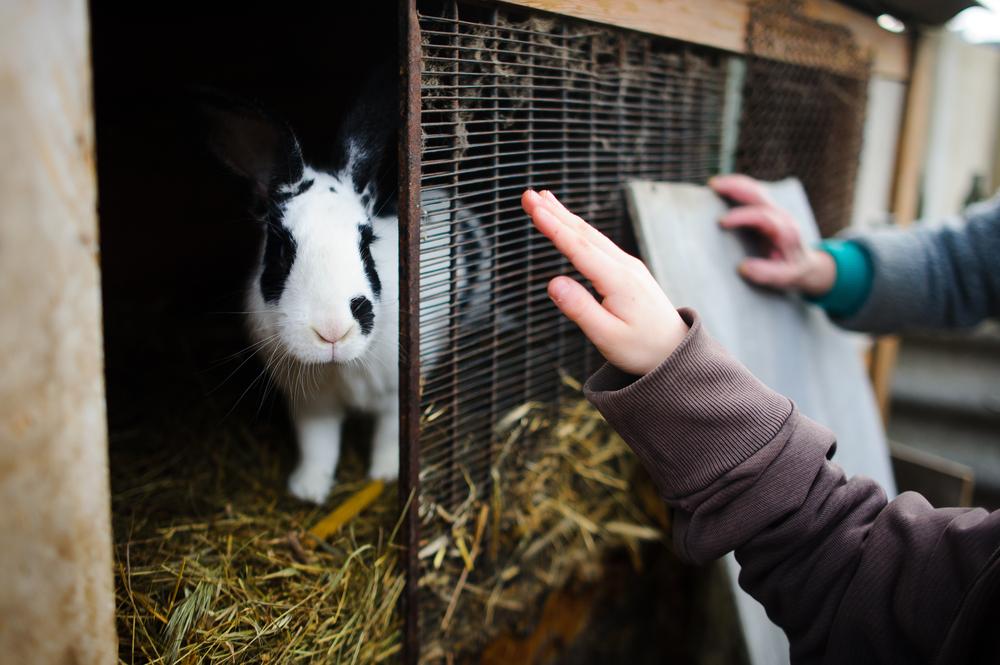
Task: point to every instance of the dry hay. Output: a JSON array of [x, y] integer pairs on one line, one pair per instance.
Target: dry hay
[[212, 560], [214, 564], [548, 517]]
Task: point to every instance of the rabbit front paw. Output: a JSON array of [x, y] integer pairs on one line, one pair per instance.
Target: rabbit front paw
[[309, 483], [384, 467]]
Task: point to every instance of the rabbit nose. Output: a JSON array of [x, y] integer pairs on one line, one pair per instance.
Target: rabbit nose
[[332, 335]]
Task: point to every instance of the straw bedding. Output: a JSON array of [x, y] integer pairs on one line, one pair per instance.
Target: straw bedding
[[562, 495], [213, 560]]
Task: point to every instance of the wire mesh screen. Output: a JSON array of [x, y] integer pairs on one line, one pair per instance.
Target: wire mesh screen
[[509, 101], [804, 101]]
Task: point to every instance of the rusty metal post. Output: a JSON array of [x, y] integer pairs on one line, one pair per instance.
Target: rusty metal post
[[409, 316]]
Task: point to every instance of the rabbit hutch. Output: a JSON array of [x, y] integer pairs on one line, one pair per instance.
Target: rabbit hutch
[[521, 529]]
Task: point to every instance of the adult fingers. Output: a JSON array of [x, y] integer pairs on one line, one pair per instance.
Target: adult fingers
[[740, 188], [765, 272], [599, 325], [761, 218]]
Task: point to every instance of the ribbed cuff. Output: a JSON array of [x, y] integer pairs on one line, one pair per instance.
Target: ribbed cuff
[[695, 417], [854, 278]]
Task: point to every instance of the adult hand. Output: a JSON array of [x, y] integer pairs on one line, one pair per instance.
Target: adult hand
[[789, 264], [634, 326]]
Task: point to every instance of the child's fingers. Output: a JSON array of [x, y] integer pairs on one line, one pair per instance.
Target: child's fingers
[[600, 240], [592, 263], [599, 325], [530, 199], [740, 188]]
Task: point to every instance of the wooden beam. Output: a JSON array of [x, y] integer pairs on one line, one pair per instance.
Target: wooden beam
[[57, 597], [722, 24], [906, 192], [913, 136], [717, 23], [890, 52]]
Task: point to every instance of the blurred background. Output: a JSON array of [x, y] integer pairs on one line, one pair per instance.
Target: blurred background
[[945, 390]]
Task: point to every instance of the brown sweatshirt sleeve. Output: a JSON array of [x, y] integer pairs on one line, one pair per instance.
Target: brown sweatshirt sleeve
[[849, 576]]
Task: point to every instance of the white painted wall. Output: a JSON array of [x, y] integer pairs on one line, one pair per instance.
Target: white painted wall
[[964, 122], [873, 191]]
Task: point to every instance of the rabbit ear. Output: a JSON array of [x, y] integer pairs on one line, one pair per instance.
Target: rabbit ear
[[252, 145], [366, 150]]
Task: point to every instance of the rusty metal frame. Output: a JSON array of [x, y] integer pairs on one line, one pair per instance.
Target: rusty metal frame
[[650, 96], [409, 319]]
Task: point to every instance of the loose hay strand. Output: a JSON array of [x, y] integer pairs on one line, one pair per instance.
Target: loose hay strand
[[348, 510]]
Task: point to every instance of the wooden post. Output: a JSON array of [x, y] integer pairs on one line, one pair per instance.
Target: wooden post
[[56, 591], [906, 190]]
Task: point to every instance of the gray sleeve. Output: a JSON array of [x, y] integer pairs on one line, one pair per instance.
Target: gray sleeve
[[933, 277]]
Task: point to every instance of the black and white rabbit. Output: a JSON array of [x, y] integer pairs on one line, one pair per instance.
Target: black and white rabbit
[[322, 303]]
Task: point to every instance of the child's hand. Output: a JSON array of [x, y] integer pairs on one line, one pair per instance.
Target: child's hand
[[790, 264], [635, 327]]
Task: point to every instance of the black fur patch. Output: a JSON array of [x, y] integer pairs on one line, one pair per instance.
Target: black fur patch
[[364, 313], [253, 145], [365, 246], [279, 254], [303, 187], [366, 141]]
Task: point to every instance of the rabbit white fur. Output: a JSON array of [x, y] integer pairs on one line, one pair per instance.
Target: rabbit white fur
[[358, 371]]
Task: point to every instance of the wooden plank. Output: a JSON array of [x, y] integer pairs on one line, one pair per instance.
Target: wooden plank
[[891, 52], [941, 481], [717, 23], [906, 193], [913, 138], [56, 592], [788, 344], [722, 24]]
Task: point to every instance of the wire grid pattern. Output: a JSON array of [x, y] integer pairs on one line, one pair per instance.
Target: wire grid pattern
[[804, 101], [510, 100]]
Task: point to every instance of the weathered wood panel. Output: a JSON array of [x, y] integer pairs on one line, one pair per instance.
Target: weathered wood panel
[[722, 24], [56, 598]]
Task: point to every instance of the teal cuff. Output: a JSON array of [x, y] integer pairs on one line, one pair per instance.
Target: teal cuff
[[855, 274]]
